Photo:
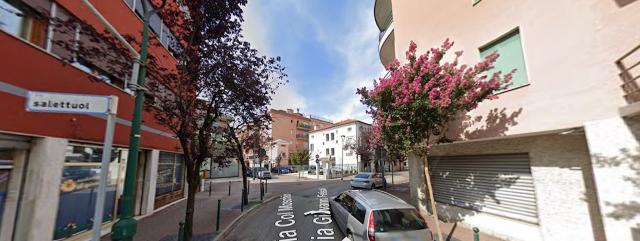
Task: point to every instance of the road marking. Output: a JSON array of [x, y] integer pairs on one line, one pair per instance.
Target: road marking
[[323, 216], [287, 219]]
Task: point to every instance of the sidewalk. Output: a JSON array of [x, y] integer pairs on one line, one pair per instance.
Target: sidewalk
[[450, 231], [163, 225]]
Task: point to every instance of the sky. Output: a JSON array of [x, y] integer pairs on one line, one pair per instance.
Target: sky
[[328, 47]]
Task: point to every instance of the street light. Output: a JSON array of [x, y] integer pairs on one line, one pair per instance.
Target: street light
[[342, 159], [126, 227]]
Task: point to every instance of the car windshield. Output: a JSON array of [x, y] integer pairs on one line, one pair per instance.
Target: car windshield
[[362, 176], [397, 220]]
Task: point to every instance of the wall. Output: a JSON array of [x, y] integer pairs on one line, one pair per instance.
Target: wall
[[569, 49], [564, 187], [318, 139], [615, 155]]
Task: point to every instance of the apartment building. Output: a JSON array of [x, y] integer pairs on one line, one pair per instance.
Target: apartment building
[[556, 156], [335, 145], [50, 162], [293, 127]]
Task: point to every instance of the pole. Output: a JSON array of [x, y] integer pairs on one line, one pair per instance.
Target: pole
[[476, 234], [261, 191], [209, 189], [229, 188], [265, 185], [392, 172], [218, 216], [427, 178], [242, 200], [342, 160], [181, 231], [104, 168], [126, 227]]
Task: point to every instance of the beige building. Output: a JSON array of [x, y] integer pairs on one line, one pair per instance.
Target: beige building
[[292, 127], [556, 156]]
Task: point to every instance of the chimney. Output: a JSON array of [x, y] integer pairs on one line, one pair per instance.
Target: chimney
[[297, 110], [289, 111]]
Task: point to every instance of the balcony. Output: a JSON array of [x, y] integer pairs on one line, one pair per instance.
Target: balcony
[[629, 66], [304, 136], [384, 20], [304, 126]]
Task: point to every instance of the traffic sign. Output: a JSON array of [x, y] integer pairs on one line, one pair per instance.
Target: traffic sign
[[317, 156], [67, 103]]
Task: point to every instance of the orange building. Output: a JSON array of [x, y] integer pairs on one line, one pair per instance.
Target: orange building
[[293, 128]]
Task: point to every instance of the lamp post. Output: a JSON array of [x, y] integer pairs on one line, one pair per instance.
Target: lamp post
[[342, 158], [126, 227]]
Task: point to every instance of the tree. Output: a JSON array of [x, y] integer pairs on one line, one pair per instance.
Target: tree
[[219, 78], [411, 107], [300, 157]]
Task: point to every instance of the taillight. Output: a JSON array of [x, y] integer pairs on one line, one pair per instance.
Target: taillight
[[422, 218], [370, 229]]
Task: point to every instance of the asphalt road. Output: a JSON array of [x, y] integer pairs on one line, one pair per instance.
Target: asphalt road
[[283, 218]]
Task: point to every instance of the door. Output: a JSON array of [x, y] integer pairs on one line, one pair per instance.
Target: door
[[356, 221], [340, 213]]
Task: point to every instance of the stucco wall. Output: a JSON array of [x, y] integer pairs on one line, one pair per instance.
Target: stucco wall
[[569, 50], [564, 187]]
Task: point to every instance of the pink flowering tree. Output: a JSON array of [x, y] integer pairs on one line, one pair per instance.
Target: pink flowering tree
[[413, 103]]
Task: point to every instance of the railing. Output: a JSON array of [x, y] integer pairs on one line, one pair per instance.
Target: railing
[[385, 26], [302, 136], [305, 126], [630, 73]]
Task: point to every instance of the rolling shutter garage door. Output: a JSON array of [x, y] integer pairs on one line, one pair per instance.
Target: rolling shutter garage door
[[496, 184]]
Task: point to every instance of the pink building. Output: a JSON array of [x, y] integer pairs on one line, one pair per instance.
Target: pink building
[[556, 156]]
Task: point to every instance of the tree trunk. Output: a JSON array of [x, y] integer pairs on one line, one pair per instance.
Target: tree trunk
[[193, 181], [434, 212], [245, 195]]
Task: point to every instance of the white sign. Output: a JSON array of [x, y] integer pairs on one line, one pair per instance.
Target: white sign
[[67, 103]]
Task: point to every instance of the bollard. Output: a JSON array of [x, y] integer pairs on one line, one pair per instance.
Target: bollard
[[248, 187], [181, 231], [210, 189], [265, 185], [229, 188], [261, 191], [218, 216], [476, 234]]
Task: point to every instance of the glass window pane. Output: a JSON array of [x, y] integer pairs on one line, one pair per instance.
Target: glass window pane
[[397, 220], [78, 193], [5, 175], [155, 23], [129, 2], [511, 57], [10, 18]]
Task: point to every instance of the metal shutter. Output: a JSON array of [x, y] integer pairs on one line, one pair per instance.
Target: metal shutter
[[496, 184]]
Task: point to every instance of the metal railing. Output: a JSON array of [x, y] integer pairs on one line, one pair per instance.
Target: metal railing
[[629, 68], [385, 26]]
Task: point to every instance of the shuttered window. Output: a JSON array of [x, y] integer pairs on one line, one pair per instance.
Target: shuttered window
[[511, 57], [496, 184]]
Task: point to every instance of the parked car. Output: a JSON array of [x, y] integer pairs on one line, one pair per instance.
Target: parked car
[[263, 173], [281, 170], [312, 171], [364, 215], [368, 180]]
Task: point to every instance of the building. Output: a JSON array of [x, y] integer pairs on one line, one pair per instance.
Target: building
[[335, 145], [555, 157], [293, 127], [50, 162]]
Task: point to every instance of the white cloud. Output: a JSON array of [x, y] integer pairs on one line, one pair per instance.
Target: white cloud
[[255, 31]]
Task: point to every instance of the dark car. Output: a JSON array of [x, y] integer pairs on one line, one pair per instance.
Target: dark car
[[281, 170]]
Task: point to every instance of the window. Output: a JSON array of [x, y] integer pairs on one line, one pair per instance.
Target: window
[[349, 129], [328, 152], [20, 20], [311, 147], [359, 211], [333, 151], [79, 183], [311, 136], [332, 136], [327, 137], [169, 173], [397, 219], [291, 132], [511, 57]]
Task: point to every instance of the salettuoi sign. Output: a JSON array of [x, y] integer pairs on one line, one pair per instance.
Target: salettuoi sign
[[67, 103]]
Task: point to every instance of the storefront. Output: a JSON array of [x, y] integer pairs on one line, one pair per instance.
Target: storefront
[[170, 179], [13, 151], [78, 188]]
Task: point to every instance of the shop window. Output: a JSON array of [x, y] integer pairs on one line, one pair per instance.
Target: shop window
[[78, 189], [6, 164], [170, 179]]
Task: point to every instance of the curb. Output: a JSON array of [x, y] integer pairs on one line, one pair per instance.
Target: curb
[[224, 232]]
